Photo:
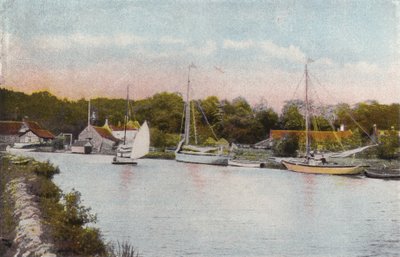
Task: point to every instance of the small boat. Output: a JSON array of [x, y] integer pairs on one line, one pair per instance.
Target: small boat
[[10, 149], [193, 153], [246, 164], [140, 147], [318, 168], [383, 173]]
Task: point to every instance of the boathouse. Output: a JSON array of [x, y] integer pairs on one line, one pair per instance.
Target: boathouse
[[101, 139]]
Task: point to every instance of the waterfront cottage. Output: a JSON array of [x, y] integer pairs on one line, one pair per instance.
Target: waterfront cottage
[[23, 133], [101, 139]]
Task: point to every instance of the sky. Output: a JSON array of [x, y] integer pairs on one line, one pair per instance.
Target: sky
[[254, 49]]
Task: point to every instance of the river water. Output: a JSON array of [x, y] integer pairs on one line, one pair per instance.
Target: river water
[[166, 208]]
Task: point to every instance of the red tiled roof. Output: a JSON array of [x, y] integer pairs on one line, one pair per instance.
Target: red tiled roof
[[33, 125], [13, 128], [10, 127], [316, 135], [105, 133], [42, 133]]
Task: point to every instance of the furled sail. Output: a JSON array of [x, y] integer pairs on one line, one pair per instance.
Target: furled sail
[[141, 144], [350, 152]]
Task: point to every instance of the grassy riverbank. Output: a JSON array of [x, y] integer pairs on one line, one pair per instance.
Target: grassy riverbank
[[65, 221]]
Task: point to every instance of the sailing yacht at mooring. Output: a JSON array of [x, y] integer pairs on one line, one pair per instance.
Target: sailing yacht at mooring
[[309, 165], [197, 154]]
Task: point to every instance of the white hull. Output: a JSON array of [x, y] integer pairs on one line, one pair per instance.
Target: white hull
[[202, 158], [246, 164], [322, 169], [18, 150]]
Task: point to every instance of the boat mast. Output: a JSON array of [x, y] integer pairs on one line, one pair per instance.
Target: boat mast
[[126, 113], [187, 110], [307, 116]]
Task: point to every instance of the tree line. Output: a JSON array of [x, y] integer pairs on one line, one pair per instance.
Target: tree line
[[236, 120]]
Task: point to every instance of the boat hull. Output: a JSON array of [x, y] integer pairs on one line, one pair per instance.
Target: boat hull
[[246, 164], [383, 174], [202, 159], [123, 161], [322, 169]]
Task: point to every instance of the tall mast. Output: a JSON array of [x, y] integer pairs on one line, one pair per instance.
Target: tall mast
[[307, 116], [126, 112], [187, 109]]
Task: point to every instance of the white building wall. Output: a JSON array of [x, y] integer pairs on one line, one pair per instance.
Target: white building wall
[[29, 138]]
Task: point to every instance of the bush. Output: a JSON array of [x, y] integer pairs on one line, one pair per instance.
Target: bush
[[69, 229], [58, 143], [45, 169], [389, 146], [286, 147]]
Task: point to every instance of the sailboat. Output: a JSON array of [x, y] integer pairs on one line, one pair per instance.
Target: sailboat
[[127, 152], [197, 154], [140, 147], [310, 165], [125, 149]]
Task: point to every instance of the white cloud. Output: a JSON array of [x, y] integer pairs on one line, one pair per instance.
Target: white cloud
[[231, 44], [209, 48], [291, 53], [52, 42], [171, 40], [61, 42], [362, 67]]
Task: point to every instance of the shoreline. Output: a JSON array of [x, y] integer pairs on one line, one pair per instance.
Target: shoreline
[[38, 219]]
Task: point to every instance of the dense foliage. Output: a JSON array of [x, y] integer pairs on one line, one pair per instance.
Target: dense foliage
[[236, 121]]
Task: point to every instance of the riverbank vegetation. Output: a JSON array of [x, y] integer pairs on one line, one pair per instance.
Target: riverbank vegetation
[[66, 221], [236, 121]]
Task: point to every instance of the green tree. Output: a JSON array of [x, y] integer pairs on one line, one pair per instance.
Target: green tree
[[388, 147], [291, 118]]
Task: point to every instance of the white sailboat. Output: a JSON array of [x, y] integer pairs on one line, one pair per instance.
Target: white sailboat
[[128, 152], [197, 154], [140, 147], [310, 165]]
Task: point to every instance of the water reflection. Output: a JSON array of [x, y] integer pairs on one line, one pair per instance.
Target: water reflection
[[126, 176], [166, 208]]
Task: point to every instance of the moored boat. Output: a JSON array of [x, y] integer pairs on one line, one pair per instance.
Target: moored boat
[[201, 158], [332, 169], [197, 154], [140, 147], [383, 173], [310, 165], [246, 164]]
